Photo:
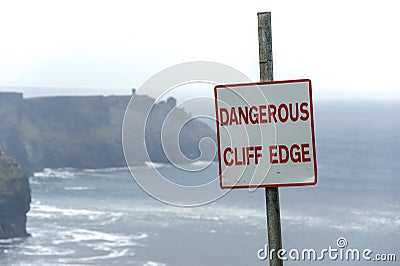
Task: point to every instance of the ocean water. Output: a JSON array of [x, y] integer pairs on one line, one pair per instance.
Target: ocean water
[[102, 217]]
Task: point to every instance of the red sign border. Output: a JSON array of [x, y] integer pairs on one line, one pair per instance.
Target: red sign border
[[312, 134]]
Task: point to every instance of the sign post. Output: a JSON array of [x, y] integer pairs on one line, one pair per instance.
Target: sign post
[[271, 194], [265, 134]]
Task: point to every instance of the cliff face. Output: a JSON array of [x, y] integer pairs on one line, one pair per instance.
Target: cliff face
[[83, 131], [14, 198]]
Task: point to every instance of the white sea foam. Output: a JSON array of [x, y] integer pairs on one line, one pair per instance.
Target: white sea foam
[[153, 263], [372, 220], [149, 164], [164, 213], [11, 241], [41, 208], [108, 170], [196, 165], [111, 255], [304, 220], [111, 218], [356, 220], [34, 214], [34, 182], [140, 236], [38, 250], [110, 245], [81, 234], [43, 211], [63, 173], [201, 163], [79, 188], [77, 235]]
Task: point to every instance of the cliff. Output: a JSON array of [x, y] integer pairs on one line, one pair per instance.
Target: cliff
[[14, 198], [84, 131]]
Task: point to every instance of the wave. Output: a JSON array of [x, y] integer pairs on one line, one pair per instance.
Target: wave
[[153, 263], [70, 173], [113, 245], [201, 163], [43, 211], [38, 250], [107, 170], [197, 165], [79, 188], [80, 234], [63, 173], [194, 165], [112, 255], [149, 164], [63, 211], [11, 241]]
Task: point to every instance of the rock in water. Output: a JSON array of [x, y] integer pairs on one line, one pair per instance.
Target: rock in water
[[15, 198]]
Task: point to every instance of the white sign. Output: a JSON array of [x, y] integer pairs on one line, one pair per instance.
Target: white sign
[[265, 134]]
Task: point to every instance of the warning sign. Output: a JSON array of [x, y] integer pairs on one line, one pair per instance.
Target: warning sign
[[265, 134]]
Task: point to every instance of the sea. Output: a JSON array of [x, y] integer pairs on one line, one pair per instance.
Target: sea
[[102, 216]]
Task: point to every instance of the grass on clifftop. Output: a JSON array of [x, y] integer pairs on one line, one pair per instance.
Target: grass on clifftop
[[9, 168]]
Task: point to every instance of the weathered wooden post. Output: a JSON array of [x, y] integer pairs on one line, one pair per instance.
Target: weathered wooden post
[[271, 194]]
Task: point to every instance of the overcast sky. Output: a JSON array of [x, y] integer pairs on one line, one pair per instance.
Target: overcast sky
[[349, 49]]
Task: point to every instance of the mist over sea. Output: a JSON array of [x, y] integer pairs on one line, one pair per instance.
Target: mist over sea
[[102, 217]]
